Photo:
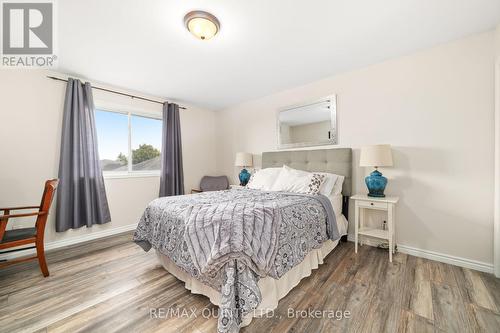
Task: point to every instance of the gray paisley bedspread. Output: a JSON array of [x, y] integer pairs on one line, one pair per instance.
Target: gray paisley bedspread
[[230, 239]]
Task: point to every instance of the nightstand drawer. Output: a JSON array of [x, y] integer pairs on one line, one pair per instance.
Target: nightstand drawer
[[372, 204]]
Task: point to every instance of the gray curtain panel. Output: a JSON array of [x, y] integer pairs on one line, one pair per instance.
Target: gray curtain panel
[[81, 199], [172, 175]]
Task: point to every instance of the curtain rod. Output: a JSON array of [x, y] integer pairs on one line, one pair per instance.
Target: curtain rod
[[117, 92]]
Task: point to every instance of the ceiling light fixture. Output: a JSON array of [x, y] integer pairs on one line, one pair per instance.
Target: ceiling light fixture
[[202, 24]]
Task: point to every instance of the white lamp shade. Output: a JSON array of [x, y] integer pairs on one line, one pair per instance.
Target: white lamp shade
[[243, 160], [376, 155]]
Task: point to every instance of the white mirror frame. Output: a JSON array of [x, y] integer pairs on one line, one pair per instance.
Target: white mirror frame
[[333, 123]]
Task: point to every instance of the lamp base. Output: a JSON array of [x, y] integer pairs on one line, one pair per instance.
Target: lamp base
[[374, 195], [376, 183], [244, 177]]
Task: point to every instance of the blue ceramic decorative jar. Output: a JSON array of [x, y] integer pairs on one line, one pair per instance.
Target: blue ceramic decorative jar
[[244, 177], [376, 184]]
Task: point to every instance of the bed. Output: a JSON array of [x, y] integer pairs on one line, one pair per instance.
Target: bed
[[247, 276]]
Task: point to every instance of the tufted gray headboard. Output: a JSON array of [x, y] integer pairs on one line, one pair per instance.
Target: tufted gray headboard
[[336, 160]]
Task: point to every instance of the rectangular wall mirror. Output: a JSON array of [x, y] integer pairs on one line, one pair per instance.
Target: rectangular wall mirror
[[308, 124]]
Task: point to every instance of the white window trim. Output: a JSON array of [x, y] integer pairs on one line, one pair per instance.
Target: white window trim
[[129, 173], [133, 174]]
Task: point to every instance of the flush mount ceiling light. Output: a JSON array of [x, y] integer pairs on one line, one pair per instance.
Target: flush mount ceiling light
[[202, 24]]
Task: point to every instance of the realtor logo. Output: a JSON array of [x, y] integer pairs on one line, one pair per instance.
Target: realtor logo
[[28, 34]]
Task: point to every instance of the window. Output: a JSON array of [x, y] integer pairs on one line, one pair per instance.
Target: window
[[146, 143], [128, 143]]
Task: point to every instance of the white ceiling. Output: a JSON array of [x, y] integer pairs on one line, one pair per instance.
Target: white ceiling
[[264, 46]]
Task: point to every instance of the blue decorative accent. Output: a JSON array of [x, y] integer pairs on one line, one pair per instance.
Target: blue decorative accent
[[376, 184], [244, 177]]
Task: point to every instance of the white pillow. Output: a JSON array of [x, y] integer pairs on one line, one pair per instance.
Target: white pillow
[[336, 201], [337, 189], [297, 181], [290, 179], [264, 179]]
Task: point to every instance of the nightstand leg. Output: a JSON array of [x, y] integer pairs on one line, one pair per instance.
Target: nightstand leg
[[394, 228], [390, 249], [356, 226], [362, 216], [391, 231]]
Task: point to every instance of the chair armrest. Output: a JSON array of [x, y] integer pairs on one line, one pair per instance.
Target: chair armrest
[[19, 208], [6, 217], [195, 191]]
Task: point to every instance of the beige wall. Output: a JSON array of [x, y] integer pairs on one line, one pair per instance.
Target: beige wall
[[30, 121], [436, 108], [497, 40], [497, 155]]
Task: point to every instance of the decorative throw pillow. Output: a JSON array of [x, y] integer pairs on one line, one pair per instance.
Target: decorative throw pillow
[[315, 184], [328, 184]]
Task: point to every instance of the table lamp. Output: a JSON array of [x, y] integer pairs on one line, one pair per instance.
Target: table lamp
[[244, 160], [376, 156]]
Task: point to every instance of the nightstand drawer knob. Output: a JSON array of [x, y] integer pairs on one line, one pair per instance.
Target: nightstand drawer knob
[[373, 204]]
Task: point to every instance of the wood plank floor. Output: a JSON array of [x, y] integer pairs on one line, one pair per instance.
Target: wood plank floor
[[111, 285]]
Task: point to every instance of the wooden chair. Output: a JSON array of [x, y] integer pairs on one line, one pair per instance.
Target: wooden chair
[[24, 236]]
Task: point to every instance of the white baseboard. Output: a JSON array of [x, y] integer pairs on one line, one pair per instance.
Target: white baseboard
[[71, 241], [436, 256]]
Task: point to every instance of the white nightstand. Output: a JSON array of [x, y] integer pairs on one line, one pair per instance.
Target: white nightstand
[[388, 204]]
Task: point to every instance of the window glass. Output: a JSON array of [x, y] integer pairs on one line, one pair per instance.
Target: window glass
[[146, 143], [112, 138]]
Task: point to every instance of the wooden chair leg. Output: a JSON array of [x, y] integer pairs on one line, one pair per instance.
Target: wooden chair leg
[[40, 253]]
